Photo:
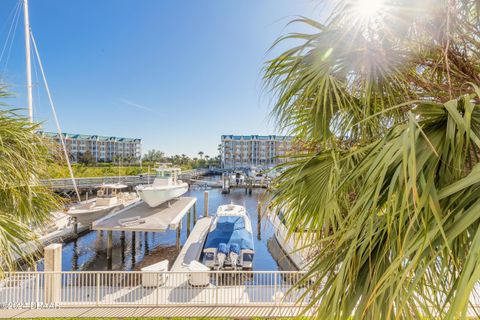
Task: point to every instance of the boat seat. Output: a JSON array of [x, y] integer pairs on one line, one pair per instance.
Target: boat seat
[[155, 274]]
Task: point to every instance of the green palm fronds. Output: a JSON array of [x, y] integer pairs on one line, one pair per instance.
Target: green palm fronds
[[398, 218], [25, 206], [390, 194]]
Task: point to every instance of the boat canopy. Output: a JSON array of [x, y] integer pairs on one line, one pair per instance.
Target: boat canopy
[[168, 170], [113, 186], [230, 230]]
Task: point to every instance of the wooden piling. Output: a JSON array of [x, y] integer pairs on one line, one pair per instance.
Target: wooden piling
[[189, 221], [205, 204], [177, 240], [109, 249], [134, 248], [259, 221], [195, 213], [75, 227]]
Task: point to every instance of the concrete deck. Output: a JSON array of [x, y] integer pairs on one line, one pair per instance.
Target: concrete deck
[[166, 312], [158, 219], [192, 249]]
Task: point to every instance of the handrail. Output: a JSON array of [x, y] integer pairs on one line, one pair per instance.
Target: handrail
[[24, 289], [93, 181], [6, 274]]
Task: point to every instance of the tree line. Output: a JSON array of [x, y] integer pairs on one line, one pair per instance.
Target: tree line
[[182, 160]]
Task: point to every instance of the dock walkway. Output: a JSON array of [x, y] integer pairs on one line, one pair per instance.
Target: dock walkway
[[192, 248], [164, 312]]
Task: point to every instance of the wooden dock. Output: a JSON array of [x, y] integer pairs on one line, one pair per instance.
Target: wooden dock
[[192, 249]]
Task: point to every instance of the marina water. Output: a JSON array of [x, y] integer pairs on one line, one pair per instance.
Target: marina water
[[133, 252]]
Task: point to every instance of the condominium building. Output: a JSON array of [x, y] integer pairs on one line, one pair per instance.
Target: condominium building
[[101, 148], [238, 152]]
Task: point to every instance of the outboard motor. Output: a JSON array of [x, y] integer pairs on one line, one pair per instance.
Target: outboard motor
[[222, 254], [234, 253]]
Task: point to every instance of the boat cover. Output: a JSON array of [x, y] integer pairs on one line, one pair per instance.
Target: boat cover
[[230, 230]]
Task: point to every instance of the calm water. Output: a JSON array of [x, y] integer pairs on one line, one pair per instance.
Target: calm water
[[88, 252]]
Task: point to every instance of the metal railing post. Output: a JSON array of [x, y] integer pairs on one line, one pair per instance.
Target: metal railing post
[[97, 295], [158, 288], [216, 288], [274, 288], [37, 289]]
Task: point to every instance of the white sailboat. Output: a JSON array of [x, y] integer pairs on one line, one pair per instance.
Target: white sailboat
[[29, 40], [109, 199], [165, 187]]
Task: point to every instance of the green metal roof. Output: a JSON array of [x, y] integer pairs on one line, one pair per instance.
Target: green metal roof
[[88, 137]]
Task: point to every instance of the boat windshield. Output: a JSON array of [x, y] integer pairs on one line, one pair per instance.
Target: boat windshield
[[106, 193], [166, 174], [163, 174]]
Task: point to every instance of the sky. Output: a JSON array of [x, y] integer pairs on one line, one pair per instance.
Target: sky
[[176, 73]]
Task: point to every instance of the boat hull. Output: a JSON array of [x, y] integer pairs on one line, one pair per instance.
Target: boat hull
[[292, 246], [156, 195], [87, 216]]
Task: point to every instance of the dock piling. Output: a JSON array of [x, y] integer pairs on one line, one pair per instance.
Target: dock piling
[[205, 204], [109, 247], [189, 221], [195, 213], [75, 227], [134, 247], [259, 221], [177, 241]]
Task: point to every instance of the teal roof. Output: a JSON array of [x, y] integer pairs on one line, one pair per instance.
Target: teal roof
[[88, 137], [257, 137]]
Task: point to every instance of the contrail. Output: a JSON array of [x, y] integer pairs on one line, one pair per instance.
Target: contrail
[[136, 105]]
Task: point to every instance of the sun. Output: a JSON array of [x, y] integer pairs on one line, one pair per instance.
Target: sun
[[367, 8]]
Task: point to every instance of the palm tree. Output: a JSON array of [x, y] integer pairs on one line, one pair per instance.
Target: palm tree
[[201, 153], [384, 101], [25, 205]]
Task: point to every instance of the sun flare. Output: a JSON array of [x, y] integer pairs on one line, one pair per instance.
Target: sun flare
[[368, 8]]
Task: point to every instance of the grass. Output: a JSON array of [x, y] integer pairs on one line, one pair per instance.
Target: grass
[[82, 171], [101, 170]]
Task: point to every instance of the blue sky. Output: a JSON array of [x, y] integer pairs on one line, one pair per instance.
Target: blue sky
[[176, 73]]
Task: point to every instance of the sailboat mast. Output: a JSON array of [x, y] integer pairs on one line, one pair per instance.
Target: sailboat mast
[[28, 62]]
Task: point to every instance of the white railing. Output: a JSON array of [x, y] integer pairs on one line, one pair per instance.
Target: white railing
[[129, 180], [124, 288]]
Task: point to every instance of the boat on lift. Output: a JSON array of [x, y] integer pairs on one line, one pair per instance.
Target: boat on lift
[[165, 187], [229, 243], [109, 199]]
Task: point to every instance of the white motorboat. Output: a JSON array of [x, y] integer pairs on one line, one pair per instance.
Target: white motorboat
[[238, 177], [229, 241], [109, 199], [294, 246], [165, 187]]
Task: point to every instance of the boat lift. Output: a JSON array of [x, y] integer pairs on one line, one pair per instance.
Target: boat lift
[[141, 217]]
